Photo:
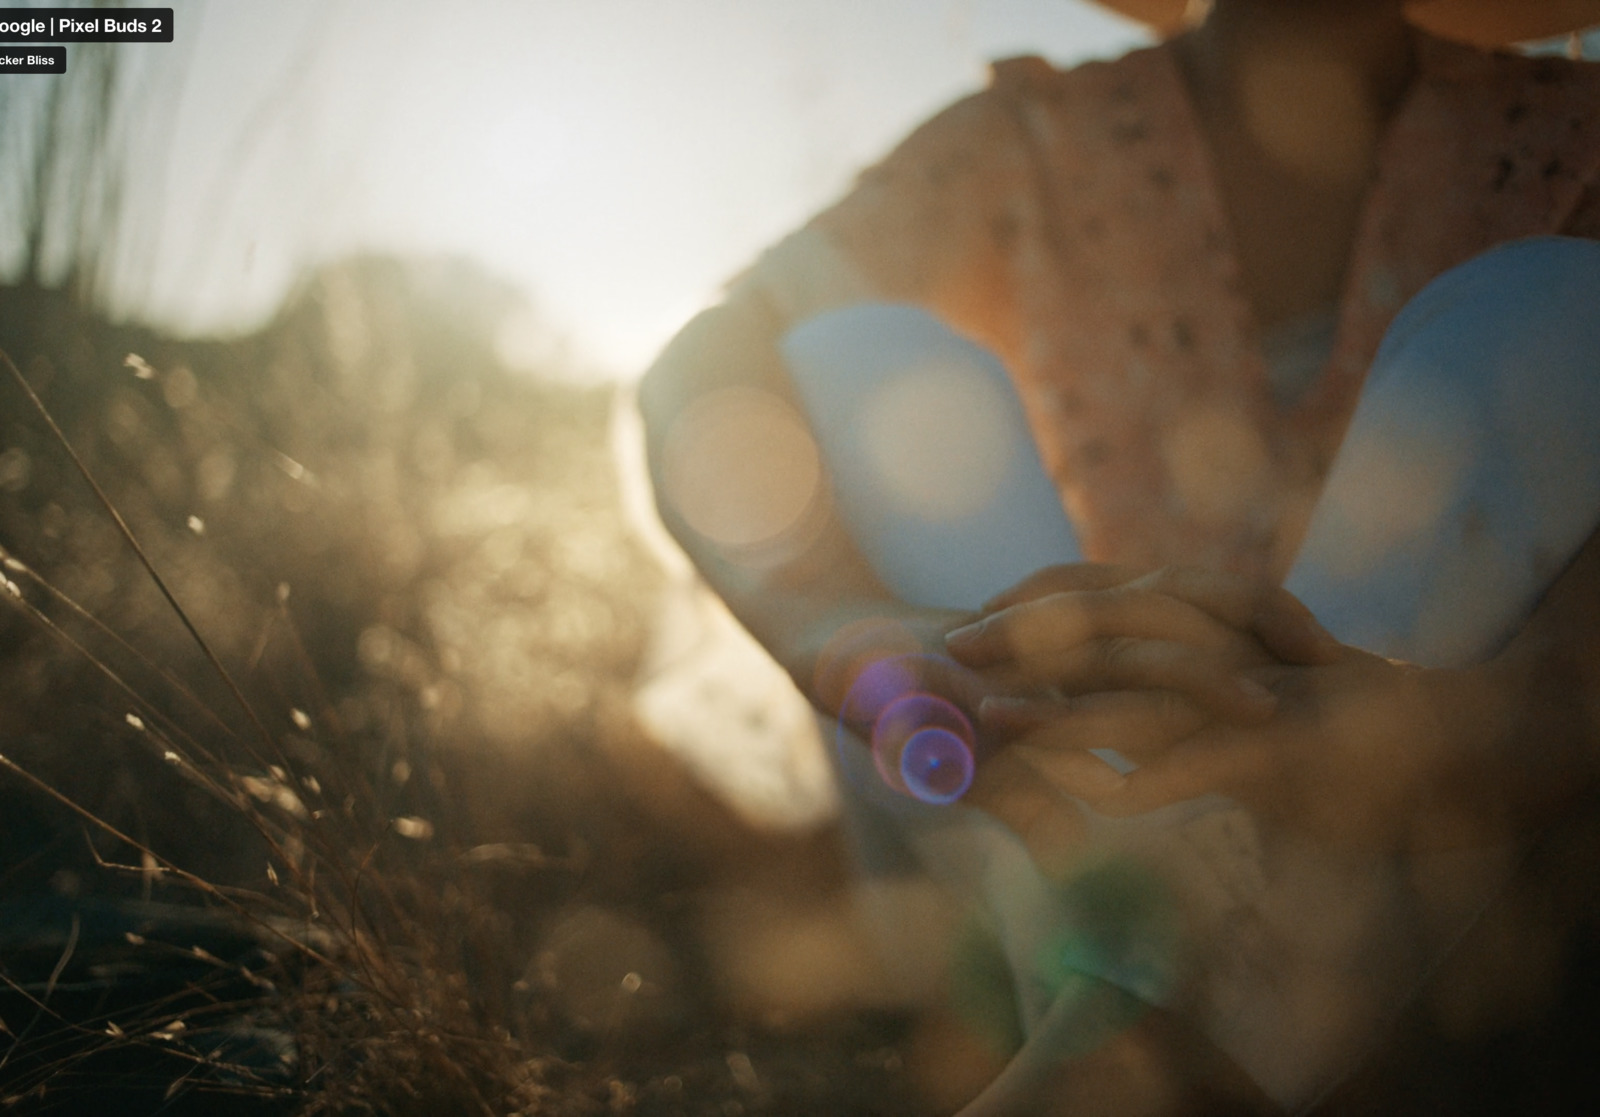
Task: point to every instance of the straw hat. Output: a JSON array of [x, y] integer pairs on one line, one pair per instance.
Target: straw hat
[[1484, 23]]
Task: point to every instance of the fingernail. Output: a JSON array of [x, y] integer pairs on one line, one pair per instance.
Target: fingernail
[[966, 634], [1255, 692], [1005, 703], [1102, 779], [1078, 773]]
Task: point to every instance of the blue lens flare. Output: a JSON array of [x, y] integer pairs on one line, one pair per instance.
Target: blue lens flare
[[937, 766], [922, 745]]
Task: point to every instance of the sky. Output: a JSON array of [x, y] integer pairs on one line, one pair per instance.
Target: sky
[[616, 159]]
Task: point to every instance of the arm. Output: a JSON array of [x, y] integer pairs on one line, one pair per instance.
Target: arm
[[1541, 732], [770, 544], [1362, 750], [916, 229]]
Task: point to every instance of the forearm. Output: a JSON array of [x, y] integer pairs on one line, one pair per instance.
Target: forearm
[[821, 614], [1534, 711], [741, 487]]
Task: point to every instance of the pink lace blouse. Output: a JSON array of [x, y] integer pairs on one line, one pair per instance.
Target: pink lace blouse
[[1069, 221]]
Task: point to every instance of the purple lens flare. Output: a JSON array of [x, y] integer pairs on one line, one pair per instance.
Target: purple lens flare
[[922, 746], [937, 766], [878, 686]]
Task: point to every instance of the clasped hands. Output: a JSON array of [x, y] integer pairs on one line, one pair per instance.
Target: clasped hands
[[1208, 682]]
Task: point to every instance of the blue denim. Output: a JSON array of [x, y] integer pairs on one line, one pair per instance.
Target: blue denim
[[1468, 479], [1470, 475]]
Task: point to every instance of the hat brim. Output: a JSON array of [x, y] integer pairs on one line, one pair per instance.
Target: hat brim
[[1483, 23], [1493, 23]]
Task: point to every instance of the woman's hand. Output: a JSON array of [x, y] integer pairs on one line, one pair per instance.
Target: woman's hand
[[911, 638], [1079, 629], [871, 662], [1093, 657], [1362, 752], [1192, 634], [1269, 612]]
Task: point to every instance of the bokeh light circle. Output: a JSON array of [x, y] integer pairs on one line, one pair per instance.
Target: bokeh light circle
[[741, 468], [937, 766], [922, 746]]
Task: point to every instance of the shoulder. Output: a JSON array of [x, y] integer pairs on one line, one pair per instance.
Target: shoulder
[[941, 219], [1120, 78], [1522, 131], [988, 120], [1541, 82]]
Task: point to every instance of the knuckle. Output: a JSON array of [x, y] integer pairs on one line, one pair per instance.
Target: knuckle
[[1098, 608], [1113, 653], [1169, 706], [1211, 684], [1029, 632], [1169, 579], [1120, 804]]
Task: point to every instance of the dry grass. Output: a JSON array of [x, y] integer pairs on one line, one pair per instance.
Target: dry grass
[[423, 861]]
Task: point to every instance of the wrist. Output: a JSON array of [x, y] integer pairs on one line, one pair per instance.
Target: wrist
[[1476, 706], [1512, 723], [1461, 794]]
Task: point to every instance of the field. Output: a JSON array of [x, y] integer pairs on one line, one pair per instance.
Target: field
[[402, 847]]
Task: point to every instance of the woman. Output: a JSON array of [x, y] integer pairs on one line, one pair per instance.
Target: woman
[[1186, 261]]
